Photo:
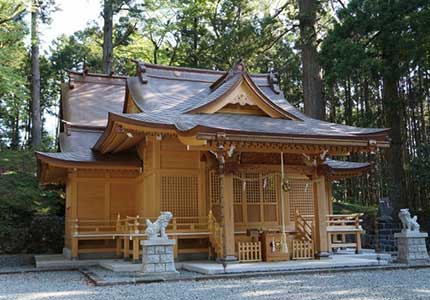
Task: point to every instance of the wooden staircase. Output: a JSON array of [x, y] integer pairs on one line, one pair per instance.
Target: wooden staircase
[[215, 235], [303, 244]]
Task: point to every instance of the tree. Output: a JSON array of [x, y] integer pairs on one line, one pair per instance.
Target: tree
[[40, 11], [312, 82], [124, 29], [383, 42], [13, 88], [36, 136]]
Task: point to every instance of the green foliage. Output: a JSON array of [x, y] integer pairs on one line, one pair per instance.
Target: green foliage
[[352, 208], [23, 202], [420, 167], [13, 85]]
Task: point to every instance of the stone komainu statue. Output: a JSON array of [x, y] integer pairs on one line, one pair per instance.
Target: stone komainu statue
[[158, 228], [408, 223]]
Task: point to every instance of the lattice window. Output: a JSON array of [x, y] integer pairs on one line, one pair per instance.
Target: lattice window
[[301, 197], [237, 190], [180, 195], [253, 188], [214, 187]]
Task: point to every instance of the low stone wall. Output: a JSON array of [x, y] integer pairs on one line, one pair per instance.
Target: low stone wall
[[386, 240], [381, 238]]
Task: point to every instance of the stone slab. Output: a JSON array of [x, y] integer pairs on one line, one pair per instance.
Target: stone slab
[[120, 266], [125, 266], [59, 261], [410, 234], [213, 268]]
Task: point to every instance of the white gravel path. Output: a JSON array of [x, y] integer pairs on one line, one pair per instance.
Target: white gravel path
[[373, 285]]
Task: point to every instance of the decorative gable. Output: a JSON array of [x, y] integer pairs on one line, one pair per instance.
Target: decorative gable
[[236, 92], [241, 99]]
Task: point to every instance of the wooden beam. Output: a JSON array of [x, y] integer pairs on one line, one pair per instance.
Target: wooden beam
[[276, 148]]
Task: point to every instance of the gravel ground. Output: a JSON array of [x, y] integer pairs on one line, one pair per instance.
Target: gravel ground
[[374, 285]]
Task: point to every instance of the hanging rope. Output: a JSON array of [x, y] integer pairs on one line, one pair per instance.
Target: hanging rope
[[284, 246]]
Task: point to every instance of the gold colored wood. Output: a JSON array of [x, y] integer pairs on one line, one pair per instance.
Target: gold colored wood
[[249, 251]]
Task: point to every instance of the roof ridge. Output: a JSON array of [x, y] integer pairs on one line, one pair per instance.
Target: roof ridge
[[100, 75], [191, 69]]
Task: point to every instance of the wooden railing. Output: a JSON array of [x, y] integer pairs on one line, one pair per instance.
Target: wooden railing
[[136, 225], [339, 226], [303, 244], [215, 235], [128, 231], [352, 221], [96, 227], [249, 251], [304, 226]]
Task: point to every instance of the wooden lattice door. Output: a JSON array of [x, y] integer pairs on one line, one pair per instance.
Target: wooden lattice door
[[256, 197], [180, 195]]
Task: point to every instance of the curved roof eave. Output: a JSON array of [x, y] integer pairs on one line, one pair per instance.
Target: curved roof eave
[[80, 159], [193, 129]]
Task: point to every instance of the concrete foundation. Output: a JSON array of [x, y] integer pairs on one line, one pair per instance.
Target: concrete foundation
[[337, 261]]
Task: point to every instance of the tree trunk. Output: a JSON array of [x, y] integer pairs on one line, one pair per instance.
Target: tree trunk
[[36, 136], [107, 36], [312, 83], [195, 42], [392, 115]]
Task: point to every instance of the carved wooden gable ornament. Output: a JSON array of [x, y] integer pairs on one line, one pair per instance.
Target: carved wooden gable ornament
[[236, 92]]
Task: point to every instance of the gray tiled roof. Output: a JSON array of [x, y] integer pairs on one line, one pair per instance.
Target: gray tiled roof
[[92, 157], [78, 140], [165, 95], [168, 95], [340, 165], [250, 124], [91, 99]]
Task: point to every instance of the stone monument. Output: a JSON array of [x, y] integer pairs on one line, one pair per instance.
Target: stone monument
[[411, 242], [157, 250]]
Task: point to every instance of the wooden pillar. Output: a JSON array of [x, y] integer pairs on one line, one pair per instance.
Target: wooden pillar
[[320, 211], [227, 207], [157, 177], [329, 191]]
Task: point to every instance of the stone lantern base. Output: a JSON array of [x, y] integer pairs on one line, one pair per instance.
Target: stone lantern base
[[157, 257], [411, 246]]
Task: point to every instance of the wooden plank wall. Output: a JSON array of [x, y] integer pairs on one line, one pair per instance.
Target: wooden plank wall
[[101, 194], [167, 160]]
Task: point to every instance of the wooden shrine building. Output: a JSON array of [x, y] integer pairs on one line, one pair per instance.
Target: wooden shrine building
[[241, 169]]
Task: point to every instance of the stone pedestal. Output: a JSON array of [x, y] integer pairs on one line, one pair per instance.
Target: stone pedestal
[[411, 246], [157, 257]]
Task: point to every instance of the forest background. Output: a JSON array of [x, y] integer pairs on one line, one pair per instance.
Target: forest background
[[360, 62]]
